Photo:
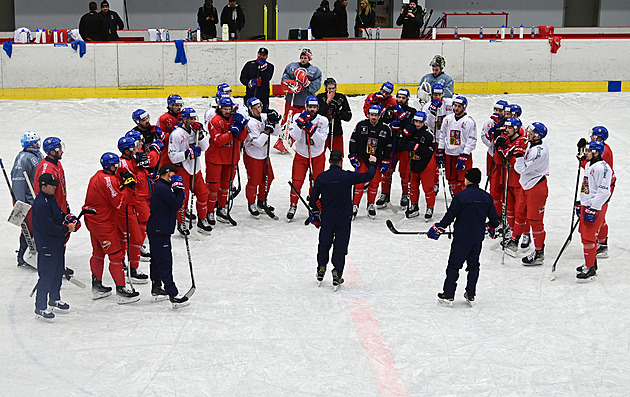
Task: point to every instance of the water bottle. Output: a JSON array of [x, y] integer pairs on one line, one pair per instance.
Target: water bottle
[[378, 33], [520, 32], [168, 36], [310, 33], [481, 32], [533, 32], [370, 34], [299, 34], [502, 32], [433, 33], [512, 32], [456, 33], [159, 35], [198, 34]]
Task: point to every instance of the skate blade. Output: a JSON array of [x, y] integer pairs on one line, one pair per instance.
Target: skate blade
[[222, 220], [55, 309], [602, 256], [511, 253], [445, 302], [255, 216], [180, 305], [470, 303], [123, 301], [319, 283], [158, 298], [371, 216], [336, 287], [44, 319], [586, 280], [139, 280], [100, 295], [145, 259], [531, 264]]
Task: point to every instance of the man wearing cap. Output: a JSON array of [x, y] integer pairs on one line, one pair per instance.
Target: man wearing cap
[[469, 209], [50, 226], [112, 22], [256, 75], [167, 199], [331, 201]]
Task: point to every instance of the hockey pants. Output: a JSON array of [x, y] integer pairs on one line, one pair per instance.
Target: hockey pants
[[588, 231], [300, 169]]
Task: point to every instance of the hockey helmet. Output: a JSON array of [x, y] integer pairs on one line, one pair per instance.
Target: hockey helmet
[[501, 105], [188, 113], [420, 116], [174, 99], [226, 102], [387, 87], [597, 145], [375, 109], [513, 122], [461, 100], [437, 88], [136, 135], [223, 87], [539, 129], [29, 139], [138, 115], [600, 132], [438, 61], [312, 101], [108, 159], [307, 52], [516, 110], [253, 101], [52, 143], [403, 91], [126, 142]]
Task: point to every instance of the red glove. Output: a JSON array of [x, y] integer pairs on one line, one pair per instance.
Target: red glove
[[520, 147], [302, 77], [292, 86], [496, 118], [303, 118]]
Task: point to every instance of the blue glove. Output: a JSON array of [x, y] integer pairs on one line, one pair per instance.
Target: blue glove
[[142, 160], [377, 98], [315, 219], [577, 207], [71, 218], [399, 112], [434, 106], [589, 215], [492, 232], [236, 131], [254, 83], [157, 131], [461, 161], [238, 119], [354, 160], [262, 63], [192, 152], [309, 128], [435, 232], [157, 145], [385, 165], [439, 157], [303, 118], [177, 182]]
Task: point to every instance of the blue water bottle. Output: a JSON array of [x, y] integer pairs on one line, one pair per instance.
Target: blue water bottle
[[299, 34], [378, 33], [456, 33], [159, 35], [481, 32], [370, 34], [533, 32], [168, 36], [512, 32]]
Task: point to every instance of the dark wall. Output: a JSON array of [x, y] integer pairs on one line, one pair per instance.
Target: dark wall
[[7, 16]]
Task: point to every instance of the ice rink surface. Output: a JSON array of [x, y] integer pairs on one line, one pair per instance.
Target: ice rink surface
[[258, 325]]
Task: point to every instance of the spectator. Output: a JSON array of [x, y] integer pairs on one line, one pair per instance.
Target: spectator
[[92, 25], [233, 16], [365, 18], [324, 22], [112, 22], [411, 20], [255, 76], [342, 17], [207, 18]]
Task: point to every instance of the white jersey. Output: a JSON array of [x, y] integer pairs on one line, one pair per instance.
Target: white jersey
[[457, 136], [255, 144], [595, 190], [443, 111], [179, 141], [239, 107], [484, 138], [533, 165], [317, 140]]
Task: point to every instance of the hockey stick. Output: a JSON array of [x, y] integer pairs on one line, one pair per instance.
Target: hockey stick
[[30, 242], [392, 228], [443, 172], [504, 209], [267, 160], [308, 207], [228, 206], [235, 191], [128, 253], [391, 174], [409, 184], [192, 289]]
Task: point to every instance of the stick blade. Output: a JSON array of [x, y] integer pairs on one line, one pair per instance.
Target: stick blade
[[190, 292], [390, 226]]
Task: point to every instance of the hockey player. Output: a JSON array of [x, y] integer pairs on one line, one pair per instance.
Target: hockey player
[[260, 127], [397, 117], [437, 76], [166, 202], [382, 98], [26, 161], [370, 137], [469, 209], [436, 109], [185, 145], [493, 172], [594, 197], [50, 226], [227, 132], [168, 122], [309, 130], [420, 143], [533, 168], [256, 76], [108, 195], [335, 107], [332, 189], [302, 80], [456, 141]]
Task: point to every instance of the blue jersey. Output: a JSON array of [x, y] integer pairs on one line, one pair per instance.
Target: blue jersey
[[444, 79], [27, 161], [314, 76]]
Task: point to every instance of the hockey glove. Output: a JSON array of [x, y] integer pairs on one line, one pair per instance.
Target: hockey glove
[[496, 118], [461, 161], [302, 77], [254, 83], [388, 116], [177, 182], [490, 134], [377, 98], [520, 147], [236, 131], [128, 180], [262, 64], [395, 126], [315, 219], [492, 232], [500, 141], [269, 127], [303, 118], [589, 215], [435, 232], [354, 160], [292, 86], [399, 112], [310, 128], [581, 149], [198, 128], [273, 116], [157, 145], [157, 131], [434, 106], [192, 152], [439, 157], [239, 120], [142, 160], [385, 165], [576, 207], [582, 143], [71, 218]]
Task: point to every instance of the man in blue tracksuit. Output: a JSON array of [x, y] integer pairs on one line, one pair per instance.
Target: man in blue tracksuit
[[332, 193], [469, 209], [167, 198], [50, 226], [255, 76]]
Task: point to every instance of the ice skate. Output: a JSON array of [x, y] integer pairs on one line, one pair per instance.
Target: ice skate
[[253, 211], [444, 300], [145, 254], [99, 290], [263, 204], [204, 226], [126, 295], [404, 201], [58, 306], [179, 301], [291, 212], [511, 248], [222, 215], [371, 210], [138, 277], [525, 241], [211, 220], [428, 214], [586, 273], [337, 281], [182, 229], [536, 258], [158, 293], [189, 215], [602, 250], [382, 200], [469, 299], [412, 211], [321, 271], [355, 211], [44, 315]]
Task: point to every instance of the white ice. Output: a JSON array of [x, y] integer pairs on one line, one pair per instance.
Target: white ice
[[259, 326]]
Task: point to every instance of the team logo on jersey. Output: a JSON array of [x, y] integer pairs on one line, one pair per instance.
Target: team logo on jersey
[[382, 134], [364, 130], [541, 210], [106, 244], [455, 138], [372, 144], [585, 188]]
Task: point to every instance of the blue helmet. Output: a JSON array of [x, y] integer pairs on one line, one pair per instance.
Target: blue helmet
[[387, 87], [312, 100], [539, 129], [437, 88], [420, 116], [501, 105], [108, 159], [515, 109], [51, 143], [513, 122], [223, 87], [375, 109], [253, 101], [138, 115], [29, 139], [403, 91], [174, 99], [597, 145], [226, 102], [136, 135], [600, 132], [126, 142], [461, 100], [188, 113]]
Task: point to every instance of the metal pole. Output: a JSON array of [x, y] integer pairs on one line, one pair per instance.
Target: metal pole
[[276, 22], [265, 21]]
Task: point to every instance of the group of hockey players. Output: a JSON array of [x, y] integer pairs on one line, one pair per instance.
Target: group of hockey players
[[433, 143]]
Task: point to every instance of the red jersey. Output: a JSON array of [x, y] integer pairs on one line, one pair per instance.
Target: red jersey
[[385, 103], [221, 142], [515, 177], [141, 175], [167, 123], [50, 166], [104, 195]]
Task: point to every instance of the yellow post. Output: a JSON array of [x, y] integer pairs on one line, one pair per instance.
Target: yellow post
[[276, 22], [265, 20]]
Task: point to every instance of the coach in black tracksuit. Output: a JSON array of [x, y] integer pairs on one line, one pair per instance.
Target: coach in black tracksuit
[[167, 198], [333, 188]]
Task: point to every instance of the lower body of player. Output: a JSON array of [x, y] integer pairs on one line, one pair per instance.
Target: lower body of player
[[23, 244], [218, 187], [256, 179], [337, 144], [497, 186], [201, 201], [588, 233], [337, 236], [50, 267], [298, 175], [143, 209], [602, 233], [371, 192], [290, 110], [402, 159], [462, 250], [424, 178], [536, 198], [516, 217], [454, 175], [136, 238]]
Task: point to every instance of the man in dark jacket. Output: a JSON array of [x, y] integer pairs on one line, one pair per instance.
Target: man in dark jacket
[[335, 107], [255, 76], [333, 190], [342, 17], [92, 25], [50, 226], [411, 20], [167, 198], [112, 22], [207, 18], [324, 22], [232, 15], [469, 209]]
